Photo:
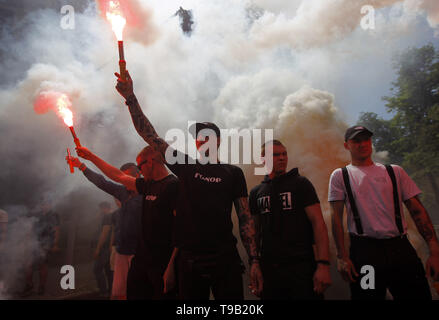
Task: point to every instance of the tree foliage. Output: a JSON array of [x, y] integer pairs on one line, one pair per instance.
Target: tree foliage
[[412, 136]]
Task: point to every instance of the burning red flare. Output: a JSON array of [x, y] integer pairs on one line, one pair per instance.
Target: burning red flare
[[63, 110], [115, 16], [61, 104]]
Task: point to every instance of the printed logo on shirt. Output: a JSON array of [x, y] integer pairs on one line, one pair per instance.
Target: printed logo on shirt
[[150, 197], [285, 200], [264, 204], [207, 179]]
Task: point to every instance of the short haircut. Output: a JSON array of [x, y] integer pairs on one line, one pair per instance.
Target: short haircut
[[147, 150], [271, 142], [105, 205], [129, 166]]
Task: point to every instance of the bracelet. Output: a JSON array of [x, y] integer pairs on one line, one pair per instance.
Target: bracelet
[[82, 167], [325, 262], [131, 99]]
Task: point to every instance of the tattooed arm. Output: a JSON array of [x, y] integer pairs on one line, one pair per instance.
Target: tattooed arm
[[426, 229], [247, 229], [143, 127]]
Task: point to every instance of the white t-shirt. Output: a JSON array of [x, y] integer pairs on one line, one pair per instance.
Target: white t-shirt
[[373, 193], [3, 216]]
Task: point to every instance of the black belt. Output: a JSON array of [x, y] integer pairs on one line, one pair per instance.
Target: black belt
[[358, 238]]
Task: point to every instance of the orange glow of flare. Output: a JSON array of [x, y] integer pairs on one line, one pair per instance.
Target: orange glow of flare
[[116, 18], [63, 110]]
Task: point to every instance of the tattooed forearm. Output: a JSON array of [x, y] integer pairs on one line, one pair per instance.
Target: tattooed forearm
[[144, 128], [421, 219], [247, 227], [424, 226]]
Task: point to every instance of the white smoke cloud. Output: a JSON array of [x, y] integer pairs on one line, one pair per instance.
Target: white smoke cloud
[[238, 69]]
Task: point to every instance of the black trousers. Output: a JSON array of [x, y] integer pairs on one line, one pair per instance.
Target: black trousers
[[198, 273], [289, 280], [396, 267], [145, 282]]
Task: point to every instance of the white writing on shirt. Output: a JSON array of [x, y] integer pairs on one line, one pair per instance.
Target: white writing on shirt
[[150, 197], [285, 200], [207, 179]]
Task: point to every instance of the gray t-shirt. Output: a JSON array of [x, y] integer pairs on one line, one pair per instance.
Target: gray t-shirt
[[373, 194]]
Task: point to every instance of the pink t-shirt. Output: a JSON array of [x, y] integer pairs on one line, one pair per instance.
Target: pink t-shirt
[[373, 194]]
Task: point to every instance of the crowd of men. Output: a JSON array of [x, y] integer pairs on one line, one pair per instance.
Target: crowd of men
[[172, 232], [174, 235]]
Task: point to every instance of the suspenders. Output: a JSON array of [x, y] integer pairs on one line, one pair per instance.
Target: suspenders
[[354, 208]]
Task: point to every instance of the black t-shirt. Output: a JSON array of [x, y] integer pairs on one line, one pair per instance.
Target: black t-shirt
[[159, 202], [207, 192], [286, 232]]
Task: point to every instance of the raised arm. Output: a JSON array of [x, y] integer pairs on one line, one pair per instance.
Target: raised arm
[[344, 263], [426, 229], [143, 127], [116, 190], [111, 172], [247, 229]]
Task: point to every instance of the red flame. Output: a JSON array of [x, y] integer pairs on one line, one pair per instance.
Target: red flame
[[59, 102], [137, 17], [63, 110], [115, 15]]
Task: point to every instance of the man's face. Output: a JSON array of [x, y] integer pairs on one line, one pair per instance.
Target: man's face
[[360, 147], [145, 163], [279, 157], [202, 139]]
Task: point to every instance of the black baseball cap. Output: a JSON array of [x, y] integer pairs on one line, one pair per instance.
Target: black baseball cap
[[352, 132], [196, 127]]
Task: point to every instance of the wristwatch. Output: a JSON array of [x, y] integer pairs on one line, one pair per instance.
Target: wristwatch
[[325, 262]]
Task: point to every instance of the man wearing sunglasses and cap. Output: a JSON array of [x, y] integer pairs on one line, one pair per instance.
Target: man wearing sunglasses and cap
[[207, 253], [373, 194]]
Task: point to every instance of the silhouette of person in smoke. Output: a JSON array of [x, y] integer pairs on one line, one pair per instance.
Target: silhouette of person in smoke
[[46, 231], [186, 20]]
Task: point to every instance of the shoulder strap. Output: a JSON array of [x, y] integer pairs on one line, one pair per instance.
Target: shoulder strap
[[398, 219], [354, 208]]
